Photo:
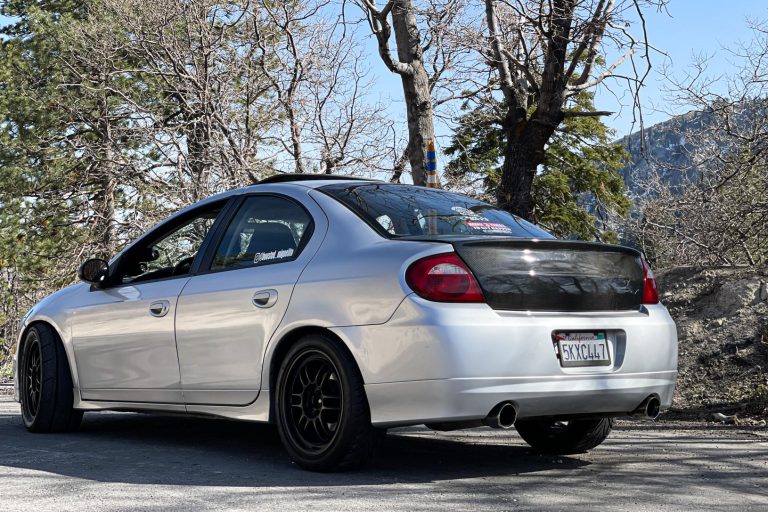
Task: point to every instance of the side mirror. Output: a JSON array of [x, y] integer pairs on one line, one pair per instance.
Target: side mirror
[[93, 271]]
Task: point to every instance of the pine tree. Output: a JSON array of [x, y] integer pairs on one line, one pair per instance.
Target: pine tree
[[38, 168], [576, 190]]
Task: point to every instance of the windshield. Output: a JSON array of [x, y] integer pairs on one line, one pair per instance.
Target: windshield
[[405, 210]]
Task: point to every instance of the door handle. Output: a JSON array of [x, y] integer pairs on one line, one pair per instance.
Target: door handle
[[159, 308], [265, 298]]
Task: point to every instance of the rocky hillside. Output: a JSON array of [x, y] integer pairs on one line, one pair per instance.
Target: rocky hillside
[[722, 321], [665, 150]]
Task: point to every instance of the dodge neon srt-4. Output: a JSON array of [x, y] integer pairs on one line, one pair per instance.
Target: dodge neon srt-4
[[336, 308]]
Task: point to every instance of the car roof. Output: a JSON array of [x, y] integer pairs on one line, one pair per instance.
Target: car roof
[[302, 177], [300, 180], [312, 183]]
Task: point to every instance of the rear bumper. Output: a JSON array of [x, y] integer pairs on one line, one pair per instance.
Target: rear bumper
[[435, 362], [445, 400]]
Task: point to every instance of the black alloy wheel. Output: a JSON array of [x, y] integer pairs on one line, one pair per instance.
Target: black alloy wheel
[[31, 379], [45, 383], [320, 406], [315, 400]]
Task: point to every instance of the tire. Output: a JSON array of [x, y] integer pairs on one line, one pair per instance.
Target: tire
[[45, 382], [321, 408], [564, 437]]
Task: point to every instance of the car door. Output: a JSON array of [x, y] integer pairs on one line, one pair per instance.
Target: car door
[[226, 316], [123, 335]]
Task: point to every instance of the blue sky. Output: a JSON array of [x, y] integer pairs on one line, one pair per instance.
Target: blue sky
[[688, 29], [691, 28]]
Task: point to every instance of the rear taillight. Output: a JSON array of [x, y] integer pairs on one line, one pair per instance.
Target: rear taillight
[[650, 290], [443, 278]]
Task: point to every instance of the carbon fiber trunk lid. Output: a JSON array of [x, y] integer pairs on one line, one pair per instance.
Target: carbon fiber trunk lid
[[554, 275]]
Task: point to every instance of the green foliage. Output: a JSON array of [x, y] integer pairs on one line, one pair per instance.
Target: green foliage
[[37, 166], [35, 171], [102, 131], [576, 191], [477, 145]]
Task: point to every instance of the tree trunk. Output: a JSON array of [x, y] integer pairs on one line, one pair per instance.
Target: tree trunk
[[105, 197], [526, 137], [418, 99], [524, 150], [515, 193], [198, 159], [106, 213], [298, 157]]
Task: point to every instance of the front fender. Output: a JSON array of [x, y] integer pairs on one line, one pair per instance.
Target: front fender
[[51, 311]]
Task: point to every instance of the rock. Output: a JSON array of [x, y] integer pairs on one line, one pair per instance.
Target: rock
[[736, 295], [763, 293], [722, 418], [718, 322]]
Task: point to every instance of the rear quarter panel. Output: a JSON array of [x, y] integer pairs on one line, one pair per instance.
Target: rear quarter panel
[[354, 279]]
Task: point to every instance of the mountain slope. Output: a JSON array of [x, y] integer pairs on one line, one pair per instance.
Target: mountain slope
[[665, 151]]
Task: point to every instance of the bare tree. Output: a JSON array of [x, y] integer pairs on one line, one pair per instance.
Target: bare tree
[[288, 42], [347, 127], [410, 66], [207, 104], [546, 52], [712, 207], [313, 62]]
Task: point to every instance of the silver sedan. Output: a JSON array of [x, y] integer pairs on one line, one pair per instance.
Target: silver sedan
[[337, 308]]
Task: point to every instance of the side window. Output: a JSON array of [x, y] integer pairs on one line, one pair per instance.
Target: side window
[[170, 255], [266, 229], [386, 222]]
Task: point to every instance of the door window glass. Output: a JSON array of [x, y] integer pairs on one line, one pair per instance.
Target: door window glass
[[169, 256], [266, 229]]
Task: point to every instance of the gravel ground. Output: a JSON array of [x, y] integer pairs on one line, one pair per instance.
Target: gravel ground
[[124, 461]]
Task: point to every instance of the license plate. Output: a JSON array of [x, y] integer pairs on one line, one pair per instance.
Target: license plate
[[583, 349]]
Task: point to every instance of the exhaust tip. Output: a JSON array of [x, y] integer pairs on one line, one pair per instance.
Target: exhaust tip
[[502, 416], [649, 408], [653, 407]]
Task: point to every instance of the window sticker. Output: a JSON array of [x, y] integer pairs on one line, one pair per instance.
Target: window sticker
[[488, 227], [466, 212], [272, 255]]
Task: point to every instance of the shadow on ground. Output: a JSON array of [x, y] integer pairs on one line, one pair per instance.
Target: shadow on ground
[[175, 450]]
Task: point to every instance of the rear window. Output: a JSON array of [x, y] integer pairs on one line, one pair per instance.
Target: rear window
[[405, 210]]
